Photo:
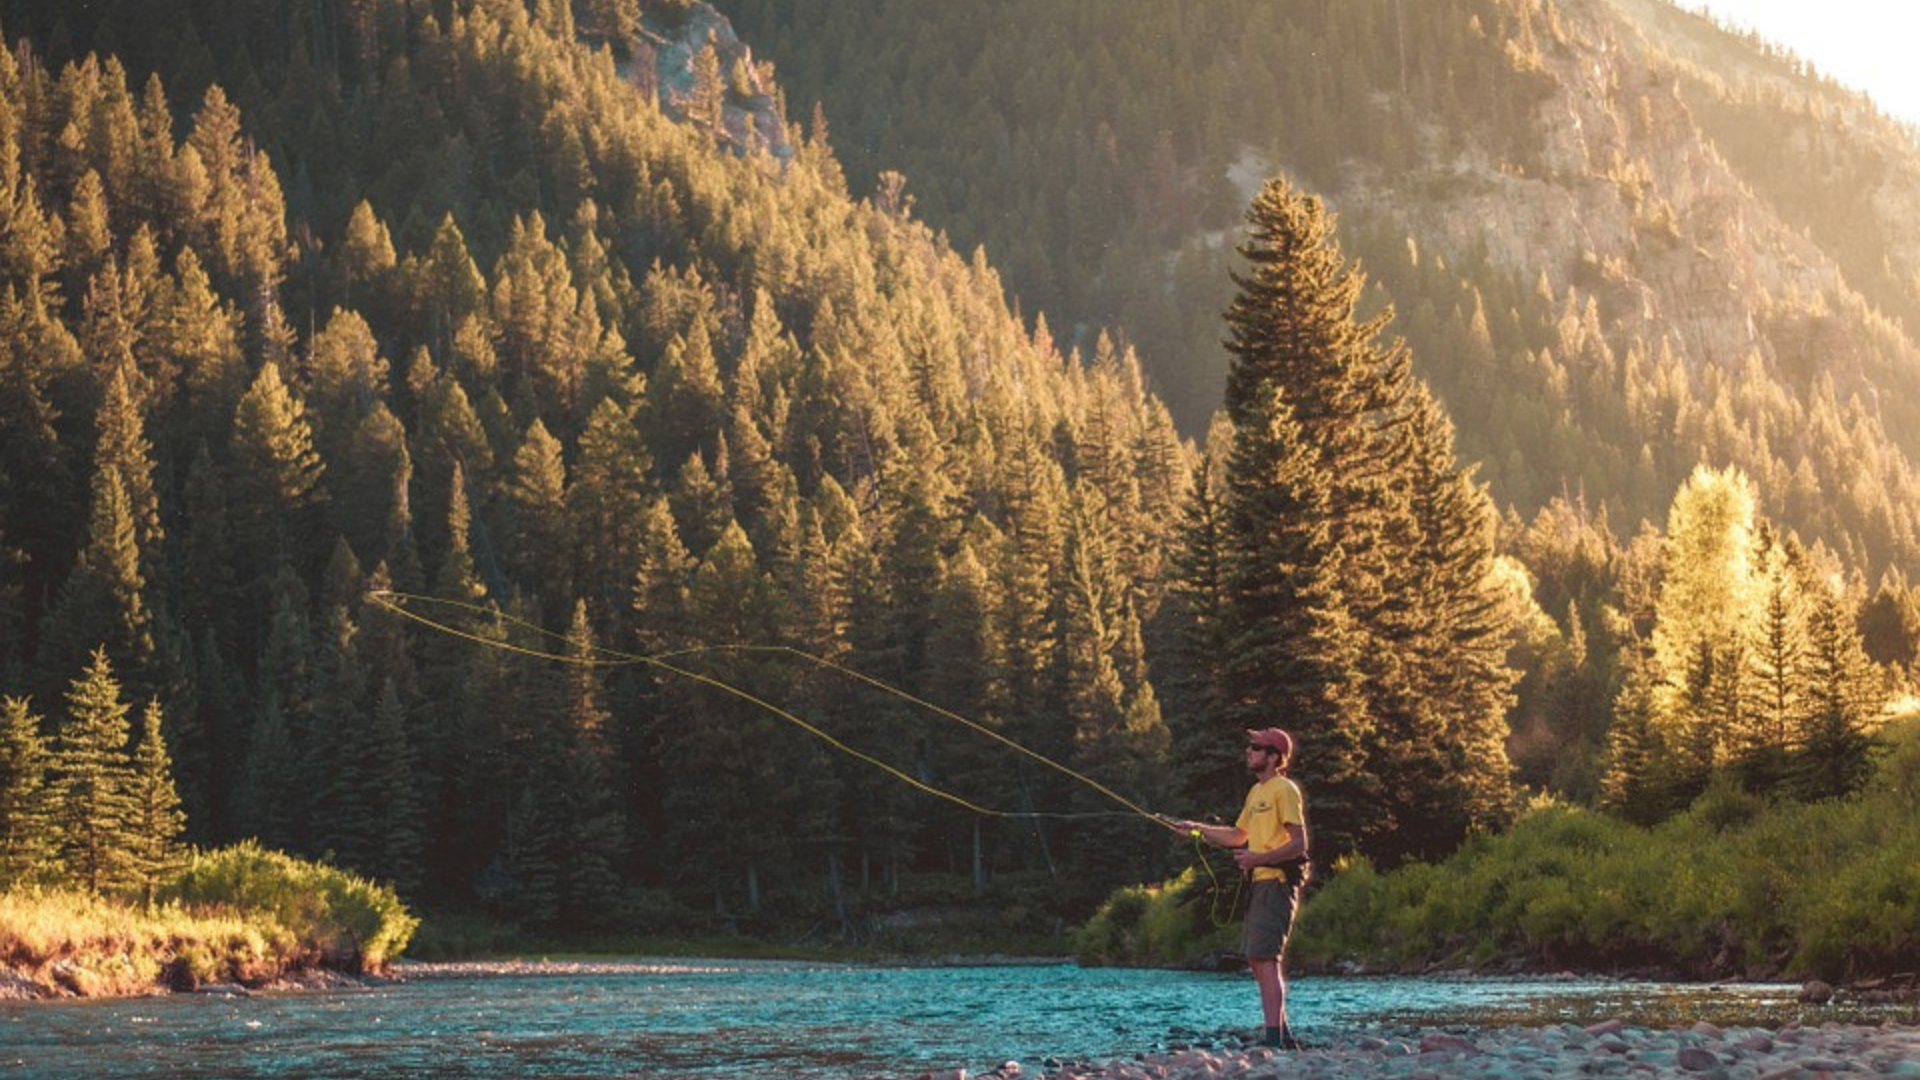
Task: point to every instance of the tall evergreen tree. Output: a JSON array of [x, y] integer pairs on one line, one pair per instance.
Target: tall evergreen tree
[[595, 833], [391, 791], [93, 815], [26, 839], [1210, 769], [1842, 690], [542, 546], [1291, 646], [103, 602], [606, 501], [274, 481], [1454, 632], [1776, 654], [157, 820], [1326, 541]]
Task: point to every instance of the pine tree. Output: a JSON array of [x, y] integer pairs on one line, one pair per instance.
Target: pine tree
[[1706, 601], [585, 787], [274, 481], [1842, 691], [154, 848], [606, 501], [1118, 736], [1776, 654], [1291, 646], [450, 287], [343, 818], [103, 602], [367, 263], [1210, 766], [1454, 634], [1633, 779], [1035, 492], [537, 495], [268, 777], [197, 334], [965, 672], [688, 397], [391, 789], [93, 799], [25, 808], [1319, 410]]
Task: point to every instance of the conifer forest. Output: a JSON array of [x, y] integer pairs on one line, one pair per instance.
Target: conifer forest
[[580, 466]]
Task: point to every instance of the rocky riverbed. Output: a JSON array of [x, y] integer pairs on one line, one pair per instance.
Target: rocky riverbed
[[1609, 1049]]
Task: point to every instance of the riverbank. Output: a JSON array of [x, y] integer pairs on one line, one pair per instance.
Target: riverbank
[[1611, 1048], [241, 917]]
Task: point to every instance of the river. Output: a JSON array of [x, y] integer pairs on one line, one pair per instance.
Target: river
[[744, 1020]]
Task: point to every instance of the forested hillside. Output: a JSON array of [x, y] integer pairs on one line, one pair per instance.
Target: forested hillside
[[439, 301], [1620, 241], [541, 322]]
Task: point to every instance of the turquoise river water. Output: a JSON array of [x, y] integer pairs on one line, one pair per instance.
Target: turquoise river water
[[708, 1020]]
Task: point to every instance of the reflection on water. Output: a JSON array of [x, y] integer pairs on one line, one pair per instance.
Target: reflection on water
[[740, 1021]]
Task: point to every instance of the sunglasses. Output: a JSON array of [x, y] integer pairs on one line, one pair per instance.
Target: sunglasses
[[1263, 748]]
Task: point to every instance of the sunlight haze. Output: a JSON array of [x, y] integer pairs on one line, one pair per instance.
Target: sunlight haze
[[1863, 44]]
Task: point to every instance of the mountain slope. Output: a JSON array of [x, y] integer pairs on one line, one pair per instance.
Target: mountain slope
[[1620, 240], [440, 300]]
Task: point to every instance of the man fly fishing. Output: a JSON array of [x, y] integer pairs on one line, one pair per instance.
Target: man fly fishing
[[1270, 842]]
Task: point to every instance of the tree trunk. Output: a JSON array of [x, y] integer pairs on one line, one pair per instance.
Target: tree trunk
[[979, 858]]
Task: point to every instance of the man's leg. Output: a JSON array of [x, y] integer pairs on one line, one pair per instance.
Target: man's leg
[[1268, 925], [1273, 993]]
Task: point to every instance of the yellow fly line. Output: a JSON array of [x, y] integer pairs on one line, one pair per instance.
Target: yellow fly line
[[594, 655], [590, 654]]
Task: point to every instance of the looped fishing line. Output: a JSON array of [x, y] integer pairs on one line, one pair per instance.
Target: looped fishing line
[[604, 656], [595, 655]]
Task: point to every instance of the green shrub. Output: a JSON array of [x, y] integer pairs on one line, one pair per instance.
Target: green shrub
[[1736, 885], [1171, 922], [338, 920]]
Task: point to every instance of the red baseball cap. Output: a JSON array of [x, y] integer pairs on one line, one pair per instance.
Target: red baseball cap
[[1272, 737]]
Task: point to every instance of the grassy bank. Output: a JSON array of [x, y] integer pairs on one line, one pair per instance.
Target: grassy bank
[[1734, 887], [241, 915], [1738, 886]]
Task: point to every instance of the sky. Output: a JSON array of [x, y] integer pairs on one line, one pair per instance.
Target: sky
[[1870, 45]]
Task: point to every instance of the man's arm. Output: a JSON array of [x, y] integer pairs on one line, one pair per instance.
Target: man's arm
[[1226, 836], [1292, 848]]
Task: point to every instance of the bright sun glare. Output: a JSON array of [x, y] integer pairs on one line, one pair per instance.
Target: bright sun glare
[[1864, 44]]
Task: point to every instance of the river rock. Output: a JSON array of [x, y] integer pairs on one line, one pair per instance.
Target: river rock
[[1696, 1059], [1440, 1042], [1607, 1027], [1816, 992]]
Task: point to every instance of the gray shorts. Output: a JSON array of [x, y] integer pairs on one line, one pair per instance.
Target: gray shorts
[[1269, 920]]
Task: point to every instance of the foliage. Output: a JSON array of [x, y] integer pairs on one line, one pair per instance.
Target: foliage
[[1169, 923], [337, 919], [241, 914], [434, 298], [1584, 363], [1340, 499], [91, 945], [1738, 885]]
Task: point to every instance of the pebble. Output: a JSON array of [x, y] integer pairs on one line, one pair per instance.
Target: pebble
[[1608, 1049]]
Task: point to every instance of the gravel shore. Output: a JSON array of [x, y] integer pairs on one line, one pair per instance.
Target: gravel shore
[[1610, 1049]]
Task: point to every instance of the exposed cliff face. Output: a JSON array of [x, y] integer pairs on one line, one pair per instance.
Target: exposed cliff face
[[677, 44], [1621, 239], [1625, 197]]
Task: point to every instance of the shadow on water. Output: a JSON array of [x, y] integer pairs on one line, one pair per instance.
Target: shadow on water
[[747, 1020]]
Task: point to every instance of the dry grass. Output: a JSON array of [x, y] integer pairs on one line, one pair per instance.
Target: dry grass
[[56, 942]]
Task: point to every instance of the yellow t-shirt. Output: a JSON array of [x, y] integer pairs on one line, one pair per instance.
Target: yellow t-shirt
[[1272, 805]]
